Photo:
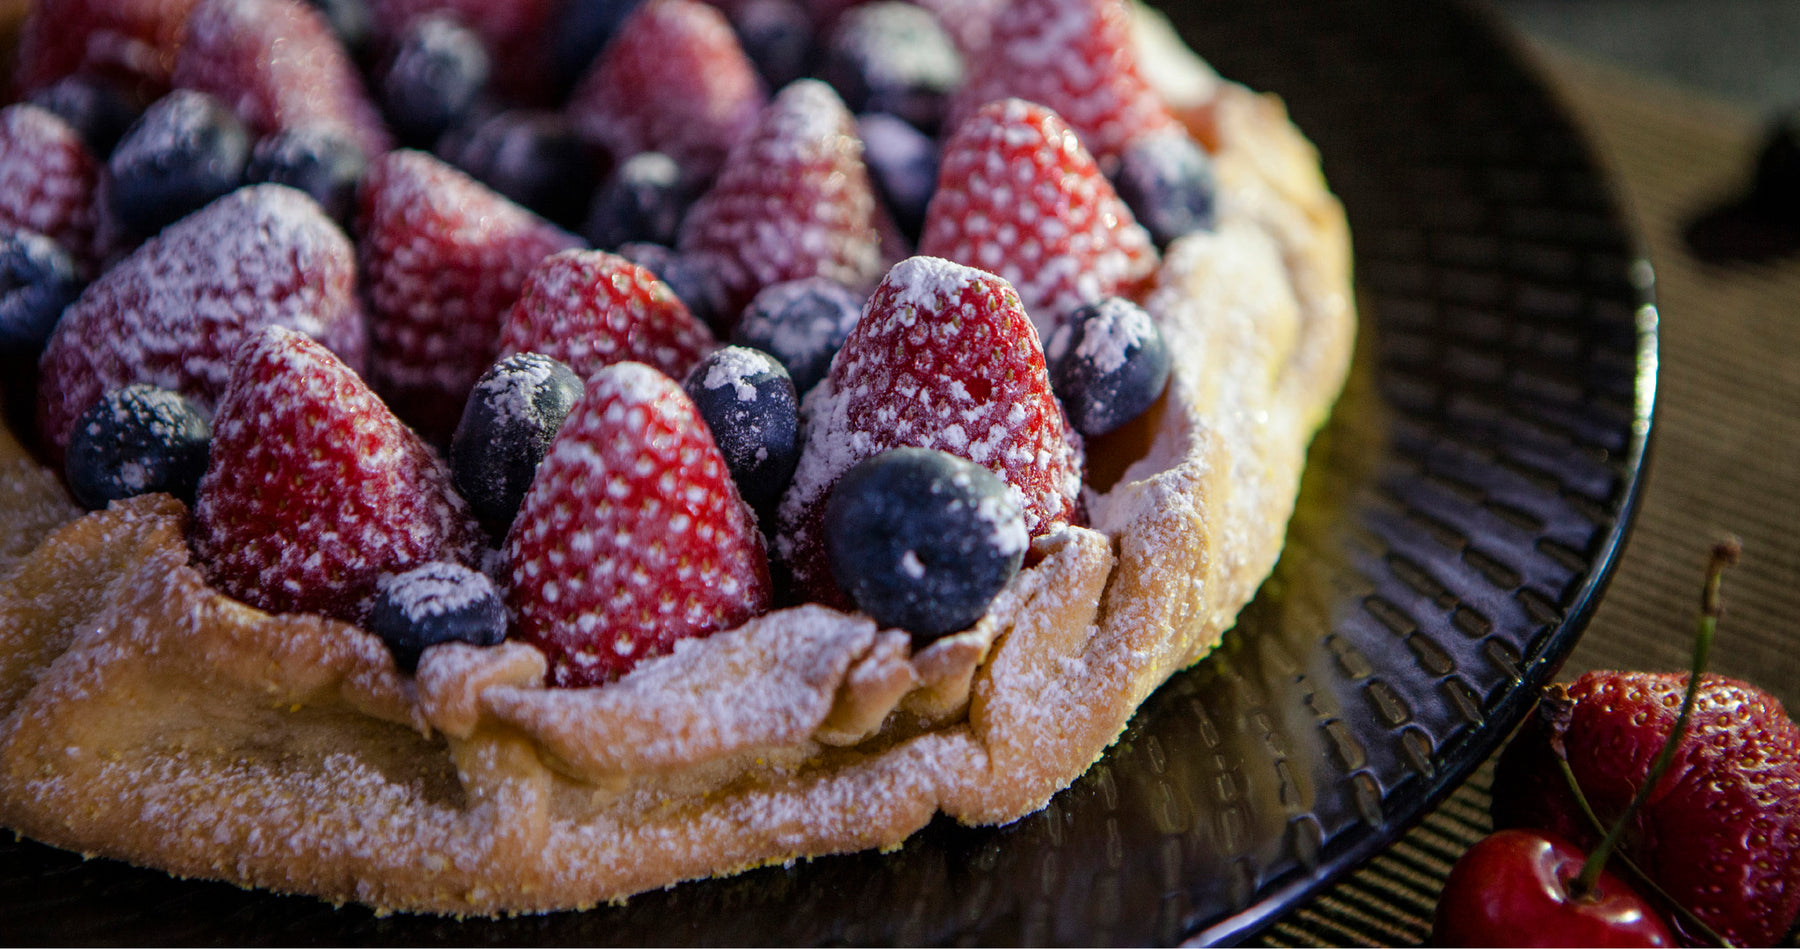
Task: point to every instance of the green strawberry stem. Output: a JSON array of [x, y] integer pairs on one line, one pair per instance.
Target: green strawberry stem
[[1724, 554]]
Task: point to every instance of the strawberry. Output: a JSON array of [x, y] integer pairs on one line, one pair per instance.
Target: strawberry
[[513, 32], [672, 80], [1074, 57], [632, 535], [172, 313], [1720, 834], [47, 178], [794, 201], [442, 256], [589, 308], [314, 490], [277, 63], [1018, 196], [130, 40], [944, 357]]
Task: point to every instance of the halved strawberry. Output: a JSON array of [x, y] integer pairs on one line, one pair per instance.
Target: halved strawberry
[[793, 201], [1720, 833], [589, 308], [172, 313], [944, 357], [442, 256], [632, 535], [1018, 196], [131, 40], [314, 490], [672, 80], [278, 65], [47, 178], [1074, 57]]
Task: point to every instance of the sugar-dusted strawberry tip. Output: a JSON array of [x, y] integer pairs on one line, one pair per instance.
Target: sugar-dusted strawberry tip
[[632, 535], [314, 489]]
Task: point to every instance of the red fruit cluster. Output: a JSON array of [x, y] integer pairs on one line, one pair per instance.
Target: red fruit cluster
[[1720, 833]]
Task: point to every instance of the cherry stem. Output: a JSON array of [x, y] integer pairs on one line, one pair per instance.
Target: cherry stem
[[1694, 923], [1724, 554]]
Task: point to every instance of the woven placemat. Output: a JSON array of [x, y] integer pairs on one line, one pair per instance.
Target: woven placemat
[[1725, 458]]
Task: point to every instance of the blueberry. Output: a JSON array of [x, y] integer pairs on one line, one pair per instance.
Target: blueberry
[[98, 109], [1167, 181], [437, 603], [693, 278], [438, 72], [923, 540], [748, 401], [134, 441], [532, 157], [777, 35], [581, 30], [320, 160], [507, 426], [643, 202], [1108, 363], [904, 163], [38, 279], [184, 151], [891, 56], [803, 323]]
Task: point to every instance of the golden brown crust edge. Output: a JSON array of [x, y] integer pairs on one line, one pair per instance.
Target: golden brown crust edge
[[144, 716]]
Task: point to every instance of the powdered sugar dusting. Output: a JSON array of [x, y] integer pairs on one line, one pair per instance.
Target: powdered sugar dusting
[[436, 589], [47, 178], [734, 367], [590, 308], [172, 313]]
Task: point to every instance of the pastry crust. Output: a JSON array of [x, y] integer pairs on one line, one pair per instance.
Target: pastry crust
[[147, 717]]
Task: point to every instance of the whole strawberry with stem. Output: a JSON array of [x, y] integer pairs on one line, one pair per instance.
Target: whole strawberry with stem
[[794, 201], [443, 257], [944, 357], [314, 490], [632, 535], [1019, 196]]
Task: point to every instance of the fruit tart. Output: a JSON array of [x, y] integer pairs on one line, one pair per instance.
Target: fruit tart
[[470, 459]]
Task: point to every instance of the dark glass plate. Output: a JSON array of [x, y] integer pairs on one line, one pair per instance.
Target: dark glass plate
[[1457, 524]]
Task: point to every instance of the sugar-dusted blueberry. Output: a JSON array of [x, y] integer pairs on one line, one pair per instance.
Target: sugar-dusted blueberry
[[904, 163], [184, 151], [321, 160], [891, 56], [531, 156], [512, 416], [642, 202], [1167, 181], [438, 72], [38, 279], [695, 279], [777, 35], [437, 603], [749, 403], [137, 440], [1108, 363], [96, 107], [578, 34], [923, 540], [802, 323]]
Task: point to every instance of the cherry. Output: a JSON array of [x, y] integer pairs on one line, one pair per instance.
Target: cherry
[[1514, 888]]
